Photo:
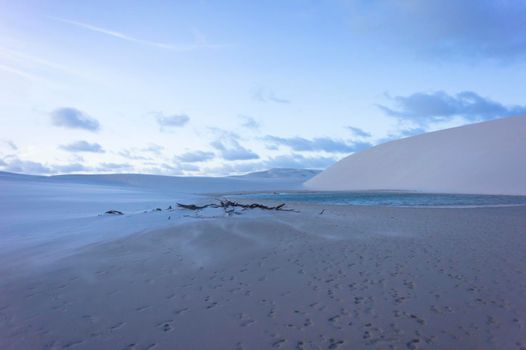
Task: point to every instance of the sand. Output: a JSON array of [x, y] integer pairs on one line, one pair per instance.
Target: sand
[[351, 278], [481, 158], [44, 218]]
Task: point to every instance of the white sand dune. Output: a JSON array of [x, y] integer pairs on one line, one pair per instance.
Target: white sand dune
[[44, 218], [483, 158], [350, 278]]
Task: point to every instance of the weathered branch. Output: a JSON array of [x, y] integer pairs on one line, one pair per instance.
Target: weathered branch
[[193, 206], [229, 206], [114, 212]]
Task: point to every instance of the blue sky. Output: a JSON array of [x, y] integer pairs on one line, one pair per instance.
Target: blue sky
[[223, 87]]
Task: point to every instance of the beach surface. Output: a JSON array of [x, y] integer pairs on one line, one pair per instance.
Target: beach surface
[[348, 278]]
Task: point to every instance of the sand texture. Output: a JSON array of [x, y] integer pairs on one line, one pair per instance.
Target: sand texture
[[351, 278]]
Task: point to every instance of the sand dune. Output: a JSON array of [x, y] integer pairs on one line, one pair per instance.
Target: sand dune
[[46, 218], [483, 158], [350, 278]]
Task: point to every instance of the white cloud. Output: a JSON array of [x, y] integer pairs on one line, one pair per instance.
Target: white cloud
[[172, 121], [325, 144], [424, 108], [249, 122], [83, 146], [72, 118], [230, 149], [196, 156], [263, 94]]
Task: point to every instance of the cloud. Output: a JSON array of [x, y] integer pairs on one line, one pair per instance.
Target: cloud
[[262, 94], [11, 144], [8, 145], [172, 121], [194, 157], [111, 167], [219, 133], [19, 73], [177, 169], [294, 161], [298, 161], [200, 41], [358, 132], [70, 168], [411, 132], [438, 28], [424, 108], [249, 122], [22, 58], [133, 154], [16, 165], [185, 167], [142, 153], [153, 148], [230, 149], [72, 118], [403, 133], [325, 144], [164, 169], [83, 146]]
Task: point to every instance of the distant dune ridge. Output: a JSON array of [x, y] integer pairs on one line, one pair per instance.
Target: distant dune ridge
[[268, 180], [482, 158]]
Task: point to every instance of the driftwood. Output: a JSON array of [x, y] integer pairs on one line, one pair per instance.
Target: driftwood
[[229, 206], [228, 203], [195, 207], [114, 212]]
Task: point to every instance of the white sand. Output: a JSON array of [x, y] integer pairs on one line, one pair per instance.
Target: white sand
[[352, 278], [43, 218], [483, 158]]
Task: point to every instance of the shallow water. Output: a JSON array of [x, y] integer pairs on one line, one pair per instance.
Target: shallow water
[[409, 199]]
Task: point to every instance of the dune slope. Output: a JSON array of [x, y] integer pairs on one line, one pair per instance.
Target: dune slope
[[482, 158]]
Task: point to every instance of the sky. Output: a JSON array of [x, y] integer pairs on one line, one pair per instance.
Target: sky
[[227, 87]]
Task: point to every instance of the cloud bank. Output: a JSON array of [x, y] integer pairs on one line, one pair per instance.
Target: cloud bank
[[19, 166], [437, 28], [230, 149], [325, 144], [424, 108]]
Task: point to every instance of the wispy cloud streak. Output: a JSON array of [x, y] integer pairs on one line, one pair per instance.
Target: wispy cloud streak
[[200, 42], [22, 59], [19, 72]]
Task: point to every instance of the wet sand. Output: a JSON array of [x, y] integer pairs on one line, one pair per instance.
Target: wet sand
[[350, 278]]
